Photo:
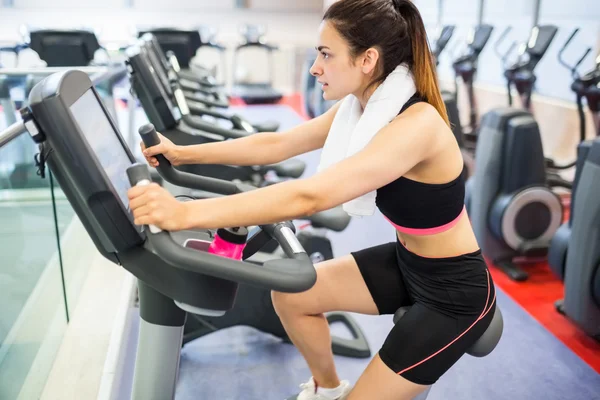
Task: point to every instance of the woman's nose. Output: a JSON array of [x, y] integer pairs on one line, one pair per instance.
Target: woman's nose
[[315, 70]]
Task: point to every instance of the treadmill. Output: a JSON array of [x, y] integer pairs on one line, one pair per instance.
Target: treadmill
[[64, 48], [257, 92]]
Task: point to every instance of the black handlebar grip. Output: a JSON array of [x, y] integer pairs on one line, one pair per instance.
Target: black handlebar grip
[[139, 174], [149, 135], [150, 139]]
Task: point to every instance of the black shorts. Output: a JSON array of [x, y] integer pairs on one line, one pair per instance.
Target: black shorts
[[452, 303]]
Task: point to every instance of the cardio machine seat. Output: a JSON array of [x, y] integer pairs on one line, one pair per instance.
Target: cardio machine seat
[[197, 77], [488, 340], [292, 168], [257, 93], [335, 219], [266, 126], [217, 99]]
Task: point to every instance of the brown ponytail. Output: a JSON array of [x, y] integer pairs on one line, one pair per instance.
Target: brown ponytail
[[423, 68]]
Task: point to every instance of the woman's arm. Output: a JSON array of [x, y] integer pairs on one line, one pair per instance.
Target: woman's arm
[[262, 148], [394, 151]]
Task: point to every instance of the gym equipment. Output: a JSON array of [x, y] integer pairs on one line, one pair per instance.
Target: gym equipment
[[207, 36], [557, 253], [513, 212], [161, 112], [583, 87], [91, 162], [591, 83], [187, 130], [262, 315], [173, 44], [442, 41], [481, 348], [586, 86], [183, 44], [259, 92], [171, 85], [575, 252], [19, 171], [465, 67], [254, 305], [64, 48], [61, 48], [520, 73]]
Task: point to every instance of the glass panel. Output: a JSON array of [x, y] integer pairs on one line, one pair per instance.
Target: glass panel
[[46, 253], [32, 308]]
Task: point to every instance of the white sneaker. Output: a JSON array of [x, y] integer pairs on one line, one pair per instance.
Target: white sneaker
[[309, 391]]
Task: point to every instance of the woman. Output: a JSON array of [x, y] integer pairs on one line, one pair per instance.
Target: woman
[[415, 165]]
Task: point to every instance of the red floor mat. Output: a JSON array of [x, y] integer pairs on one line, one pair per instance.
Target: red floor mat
[[537, 296]]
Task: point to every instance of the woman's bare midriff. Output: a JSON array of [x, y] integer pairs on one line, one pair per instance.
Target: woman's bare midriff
[[456, 241]]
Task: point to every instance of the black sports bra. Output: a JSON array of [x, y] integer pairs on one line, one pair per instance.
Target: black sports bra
[[421, 208]]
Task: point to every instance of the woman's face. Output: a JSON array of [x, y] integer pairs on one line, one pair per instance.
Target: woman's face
[[334, 69]]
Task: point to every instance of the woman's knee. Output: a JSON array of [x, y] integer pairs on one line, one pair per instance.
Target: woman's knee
[[303, 303], [286, 304]]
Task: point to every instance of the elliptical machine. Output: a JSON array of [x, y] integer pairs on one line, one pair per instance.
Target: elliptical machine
[[513, 212], [465, 67], [575, 254], [442, 41], [579, 270], [521, 75]]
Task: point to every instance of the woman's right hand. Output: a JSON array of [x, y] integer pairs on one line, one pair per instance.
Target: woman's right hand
[[167, 148]]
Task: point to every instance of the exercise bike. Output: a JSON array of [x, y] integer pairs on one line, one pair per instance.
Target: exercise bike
[[256, 309]]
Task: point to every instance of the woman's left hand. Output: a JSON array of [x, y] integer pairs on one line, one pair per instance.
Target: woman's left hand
[[153, 205]]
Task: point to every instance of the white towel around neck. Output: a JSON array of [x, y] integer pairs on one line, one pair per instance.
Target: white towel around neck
[[352, 129]]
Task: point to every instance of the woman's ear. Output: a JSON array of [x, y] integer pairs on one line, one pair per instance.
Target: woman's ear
[[369, 60]]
